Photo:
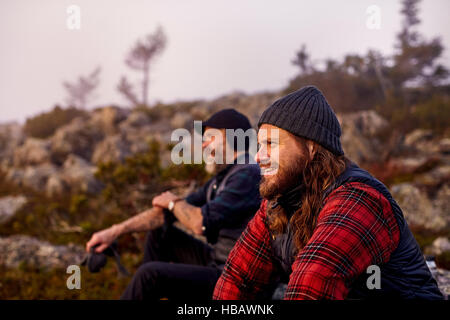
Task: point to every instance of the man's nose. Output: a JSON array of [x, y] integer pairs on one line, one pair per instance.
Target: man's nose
[[258, 156]]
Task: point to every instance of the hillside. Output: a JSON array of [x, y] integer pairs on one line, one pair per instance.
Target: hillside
[[98, 167]]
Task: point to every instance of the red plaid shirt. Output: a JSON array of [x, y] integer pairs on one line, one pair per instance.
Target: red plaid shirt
[[355, 228]]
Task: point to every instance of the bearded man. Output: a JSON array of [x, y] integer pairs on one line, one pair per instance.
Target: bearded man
[[177, 265], [323, 221]]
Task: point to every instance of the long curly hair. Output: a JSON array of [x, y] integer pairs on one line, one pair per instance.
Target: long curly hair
[[318, 174]]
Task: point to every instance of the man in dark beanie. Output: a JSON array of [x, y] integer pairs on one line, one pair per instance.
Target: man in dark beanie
[[325, 227], [176, 264]]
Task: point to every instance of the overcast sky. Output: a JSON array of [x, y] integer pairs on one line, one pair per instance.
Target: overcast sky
[[214, 47]]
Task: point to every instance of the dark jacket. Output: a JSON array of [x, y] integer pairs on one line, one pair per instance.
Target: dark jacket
[[227, 206]]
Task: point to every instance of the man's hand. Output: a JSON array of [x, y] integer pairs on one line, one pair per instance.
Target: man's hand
[[103, 238], [163, 199]]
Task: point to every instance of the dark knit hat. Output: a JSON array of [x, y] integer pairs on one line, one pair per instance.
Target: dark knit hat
[[227, 119], [306, 113]]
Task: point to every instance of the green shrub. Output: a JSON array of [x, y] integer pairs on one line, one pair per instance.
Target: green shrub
[[185, 172], [45, 124], [433, 114]]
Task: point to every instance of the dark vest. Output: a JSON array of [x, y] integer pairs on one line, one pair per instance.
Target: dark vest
[[228, 236], [404, 276]]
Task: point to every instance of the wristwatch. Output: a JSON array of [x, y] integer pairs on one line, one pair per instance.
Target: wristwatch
[[172, 204]]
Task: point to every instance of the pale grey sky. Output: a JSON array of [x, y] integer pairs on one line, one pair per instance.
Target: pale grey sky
[[214, 47]]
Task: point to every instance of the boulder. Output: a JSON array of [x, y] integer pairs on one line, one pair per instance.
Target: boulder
[[181, 120], [9, 206], [32, 152], [358, 138], [367, 122], [34, 177], [441, 276], [18, 249], [78, 137], [107, 119], [439, 246], [444, 146], [113, 148], [417, 136], [408, 164], [11, 136], [55, 186], [420, 210], [443, 279], [136, 119], [436, 176], [424, 142], [79, 175]]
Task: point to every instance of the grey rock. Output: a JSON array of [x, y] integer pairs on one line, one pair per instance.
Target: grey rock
[[9, 206], [78, 137], [420, 210], [439, 246], [417, 136], [181, 120], [18, 249], [409, 164], [34, 177], [444, 146], [113, 148], [32, 152], [108, 118], [55, 186], [11, 136], [79, 175], [136, 119], [358, 135], [442, 277]]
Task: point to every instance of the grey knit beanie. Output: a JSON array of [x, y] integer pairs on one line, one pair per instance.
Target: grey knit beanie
[[306, 113]]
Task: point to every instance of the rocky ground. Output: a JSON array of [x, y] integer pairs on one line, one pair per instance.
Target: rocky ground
[[416, 166]]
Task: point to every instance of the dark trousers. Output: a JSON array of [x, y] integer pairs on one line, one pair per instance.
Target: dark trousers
[[175, 266]]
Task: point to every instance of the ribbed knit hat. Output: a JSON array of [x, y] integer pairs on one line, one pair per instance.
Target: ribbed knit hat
[[306, 113]]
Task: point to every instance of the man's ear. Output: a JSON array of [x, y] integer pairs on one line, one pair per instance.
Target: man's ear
[[312, 148]]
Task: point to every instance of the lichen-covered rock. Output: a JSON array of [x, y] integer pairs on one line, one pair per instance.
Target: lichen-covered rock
[[79, 175], [20, 249], [181, 120], [112, 148], [34, 177], [78, 137], [107, 119], [420, 210], [443, 279], [55, 186], [358, 135], [9, 206], [136, 119], [439, 246], [441, 276], [418, 136], [11, 136], [32, 152]]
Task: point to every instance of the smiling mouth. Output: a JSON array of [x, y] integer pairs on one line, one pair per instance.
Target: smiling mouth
[[269, 171]]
